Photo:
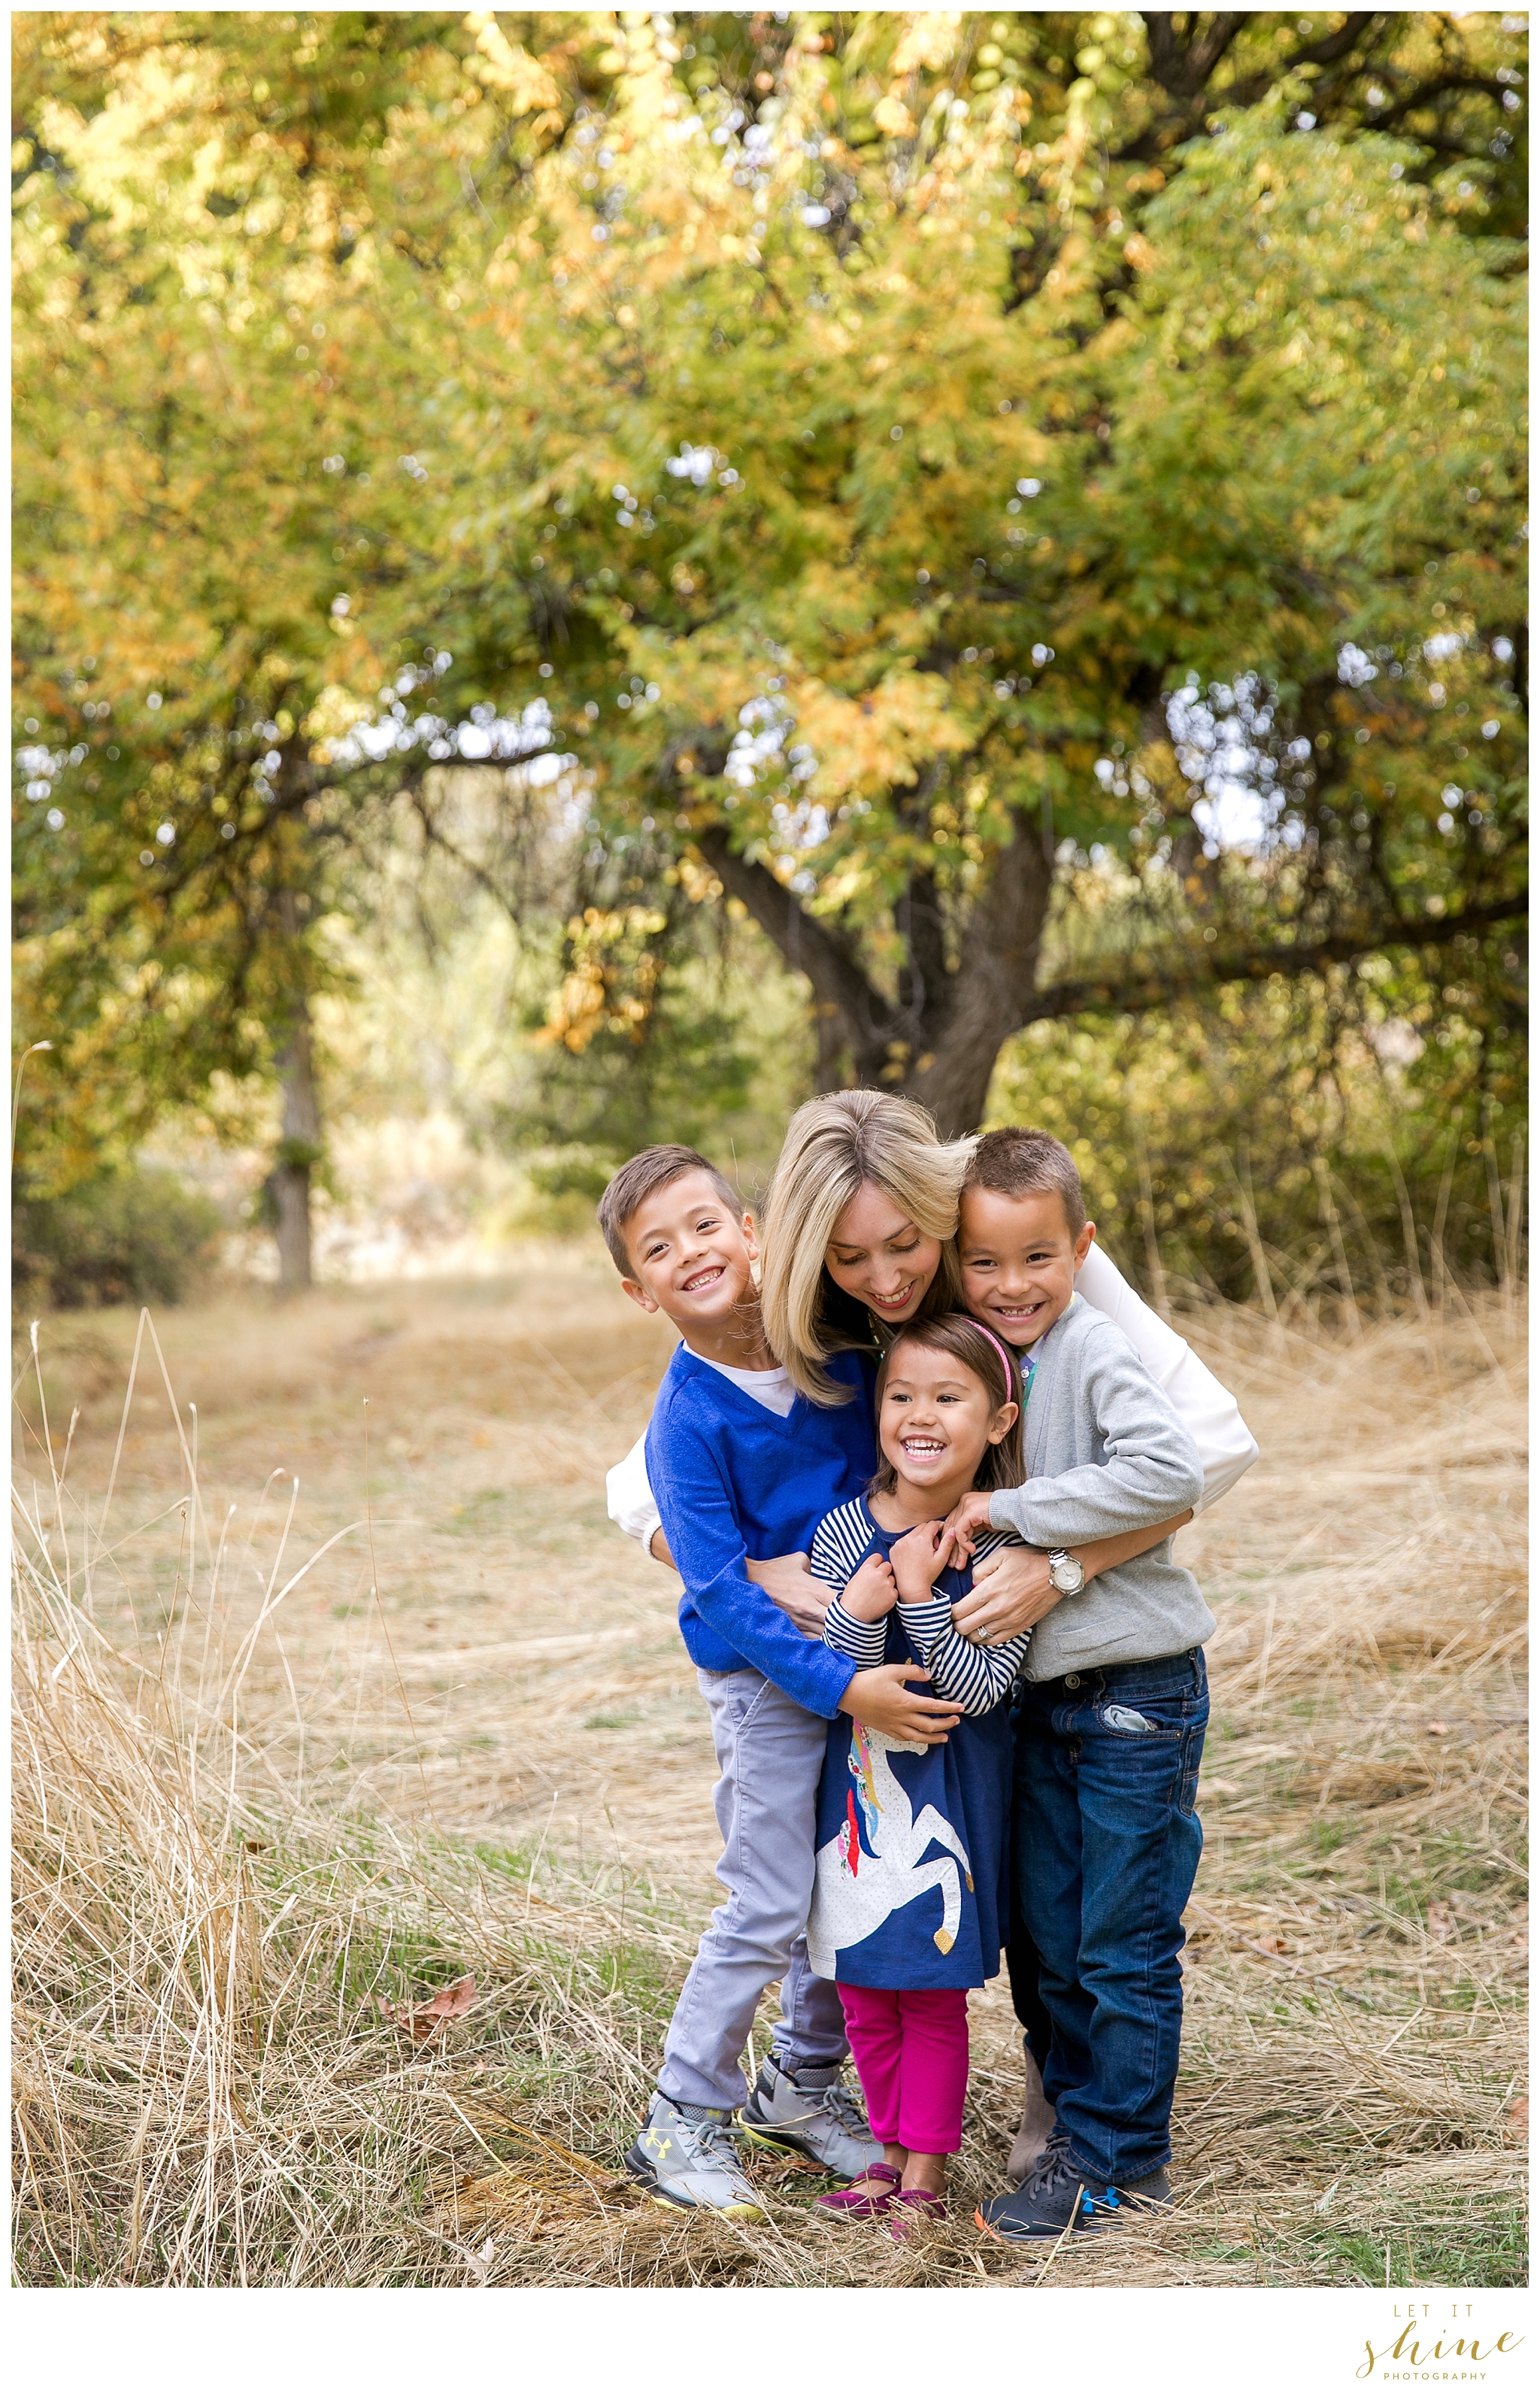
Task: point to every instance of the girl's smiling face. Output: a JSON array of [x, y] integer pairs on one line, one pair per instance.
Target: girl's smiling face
[[935, 1420], [877, 1255]]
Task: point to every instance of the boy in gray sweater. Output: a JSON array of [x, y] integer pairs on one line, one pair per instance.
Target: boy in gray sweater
[[1110, 1730]]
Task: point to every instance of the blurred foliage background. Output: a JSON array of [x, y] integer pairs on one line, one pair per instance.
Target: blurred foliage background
[[581, 574]]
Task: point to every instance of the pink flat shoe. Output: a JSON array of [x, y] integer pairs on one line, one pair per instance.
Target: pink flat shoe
[[867, 2198], [915, 2198]]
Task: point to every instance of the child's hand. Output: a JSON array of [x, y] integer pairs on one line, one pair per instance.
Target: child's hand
[[965, 1521], [872, 1593], [881, 1699], [919, 1558]]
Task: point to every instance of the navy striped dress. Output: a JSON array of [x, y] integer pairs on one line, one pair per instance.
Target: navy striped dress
[[912, 1887]]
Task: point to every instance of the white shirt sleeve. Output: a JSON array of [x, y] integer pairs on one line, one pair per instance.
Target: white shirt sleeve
[[631, 1503], [1206, 1409]]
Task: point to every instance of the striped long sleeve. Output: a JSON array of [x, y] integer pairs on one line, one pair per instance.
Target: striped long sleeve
[[975, 1678], [865, 1641], [839, 1549], [841, 1544]]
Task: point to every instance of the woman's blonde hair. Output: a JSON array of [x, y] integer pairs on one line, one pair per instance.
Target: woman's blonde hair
[[833, 1145]]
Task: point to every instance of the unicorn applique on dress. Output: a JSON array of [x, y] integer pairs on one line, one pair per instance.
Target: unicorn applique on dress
[[860, 1884], [910, 1842]]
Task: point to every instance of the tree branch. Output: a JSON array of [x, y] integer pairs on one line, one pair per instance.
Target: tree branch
[[1332, 46], [415, 790], [809, 946], [1141, 992], [1424, 95], [1183, 70]]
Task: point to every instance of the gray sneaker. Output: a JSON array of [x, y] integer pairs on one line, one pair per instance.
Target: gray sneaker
[[813, 2113], [690, 2163]]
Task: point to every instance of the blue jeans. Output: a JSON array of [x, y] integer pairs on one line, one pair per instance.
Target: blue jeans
[[1106, 1841]]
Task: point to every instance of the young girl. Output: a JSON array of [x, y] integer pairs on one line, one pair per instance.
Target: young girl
[[910, 1902]]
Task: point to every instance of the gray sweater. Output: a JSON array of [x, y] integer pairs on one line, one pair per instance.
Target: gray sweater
[[1104, 1453]]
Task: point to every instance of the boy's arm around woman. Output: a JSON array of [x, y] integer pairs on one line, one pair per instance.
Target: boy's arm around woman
[[1105, 1452]]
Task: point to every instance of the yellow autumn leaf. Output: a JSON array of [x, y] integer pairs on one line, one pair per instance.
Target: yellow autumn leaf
[[508, 68]]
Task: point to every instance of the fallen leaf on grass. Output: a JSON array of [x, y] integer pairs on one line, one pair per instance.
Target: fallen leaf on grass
[[423, 2019], [1516, 2124]]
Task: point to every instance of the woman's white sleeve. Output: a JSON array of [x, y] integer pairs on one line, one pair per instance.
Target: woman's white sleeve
[[631, 1503], [1225, 1446]]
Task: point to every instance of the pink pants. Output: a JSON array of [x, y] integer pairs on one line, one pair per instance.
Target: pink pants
[[910, 2048]]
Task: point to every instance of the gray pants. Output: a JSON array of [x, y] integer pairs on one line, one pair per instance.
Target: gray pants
[[770, 1753]]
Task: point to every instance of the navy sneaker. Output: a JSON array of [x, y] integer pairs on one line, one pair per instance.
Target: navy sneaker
[[1059, 2194]]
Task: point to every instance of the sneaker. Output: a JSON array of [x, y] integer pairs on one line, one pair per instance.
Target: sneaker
[[689, 2163], [813, 2113], [1059, 2194]]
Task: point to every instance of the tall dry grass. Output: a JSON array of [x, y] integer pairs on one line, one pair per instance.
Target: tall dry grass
[[288, 1776]]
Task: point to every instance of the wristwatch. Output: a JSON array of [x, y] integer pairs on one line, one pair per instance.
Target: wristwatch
[[1065, 1574]]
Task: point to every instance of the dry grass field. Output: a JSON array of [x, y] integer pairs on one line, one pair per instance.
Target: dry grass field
[[363, 1827]]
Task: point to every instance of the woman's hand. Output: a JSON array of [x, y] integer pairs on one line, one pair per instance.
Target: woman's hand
[[1011, 1592], [918, 1559], [880, 1699], [790, 1586], [872, 1593]]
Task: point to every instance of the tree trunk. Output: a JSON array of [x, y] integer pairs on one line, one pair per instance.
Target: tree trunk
[[939, 1039], [832, 1063], [990, 995], [299, 1151], [299, 1147]]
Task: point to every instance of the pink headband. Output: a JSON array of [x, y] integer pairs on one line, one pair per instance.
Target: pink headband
[[1009, 1373]]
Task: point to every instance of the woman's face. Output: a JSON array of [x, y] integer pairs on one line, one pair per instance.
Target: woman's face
[[877, 1255]]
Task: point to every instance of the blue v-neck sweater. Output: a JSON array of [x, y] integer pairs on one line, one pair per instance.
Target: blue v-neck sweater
[[735, 1482]]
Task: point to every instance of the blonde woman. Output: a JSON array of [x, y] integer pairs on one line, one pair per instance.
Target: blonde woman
[[859, 1232]]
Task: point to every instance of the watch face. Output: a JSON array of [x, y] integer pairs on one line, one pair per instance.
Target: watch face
[[1068, 1576]]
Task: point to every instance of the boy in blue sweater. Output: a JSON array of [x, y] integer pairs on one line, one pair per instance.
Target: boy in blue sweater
[[743, 1469]]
